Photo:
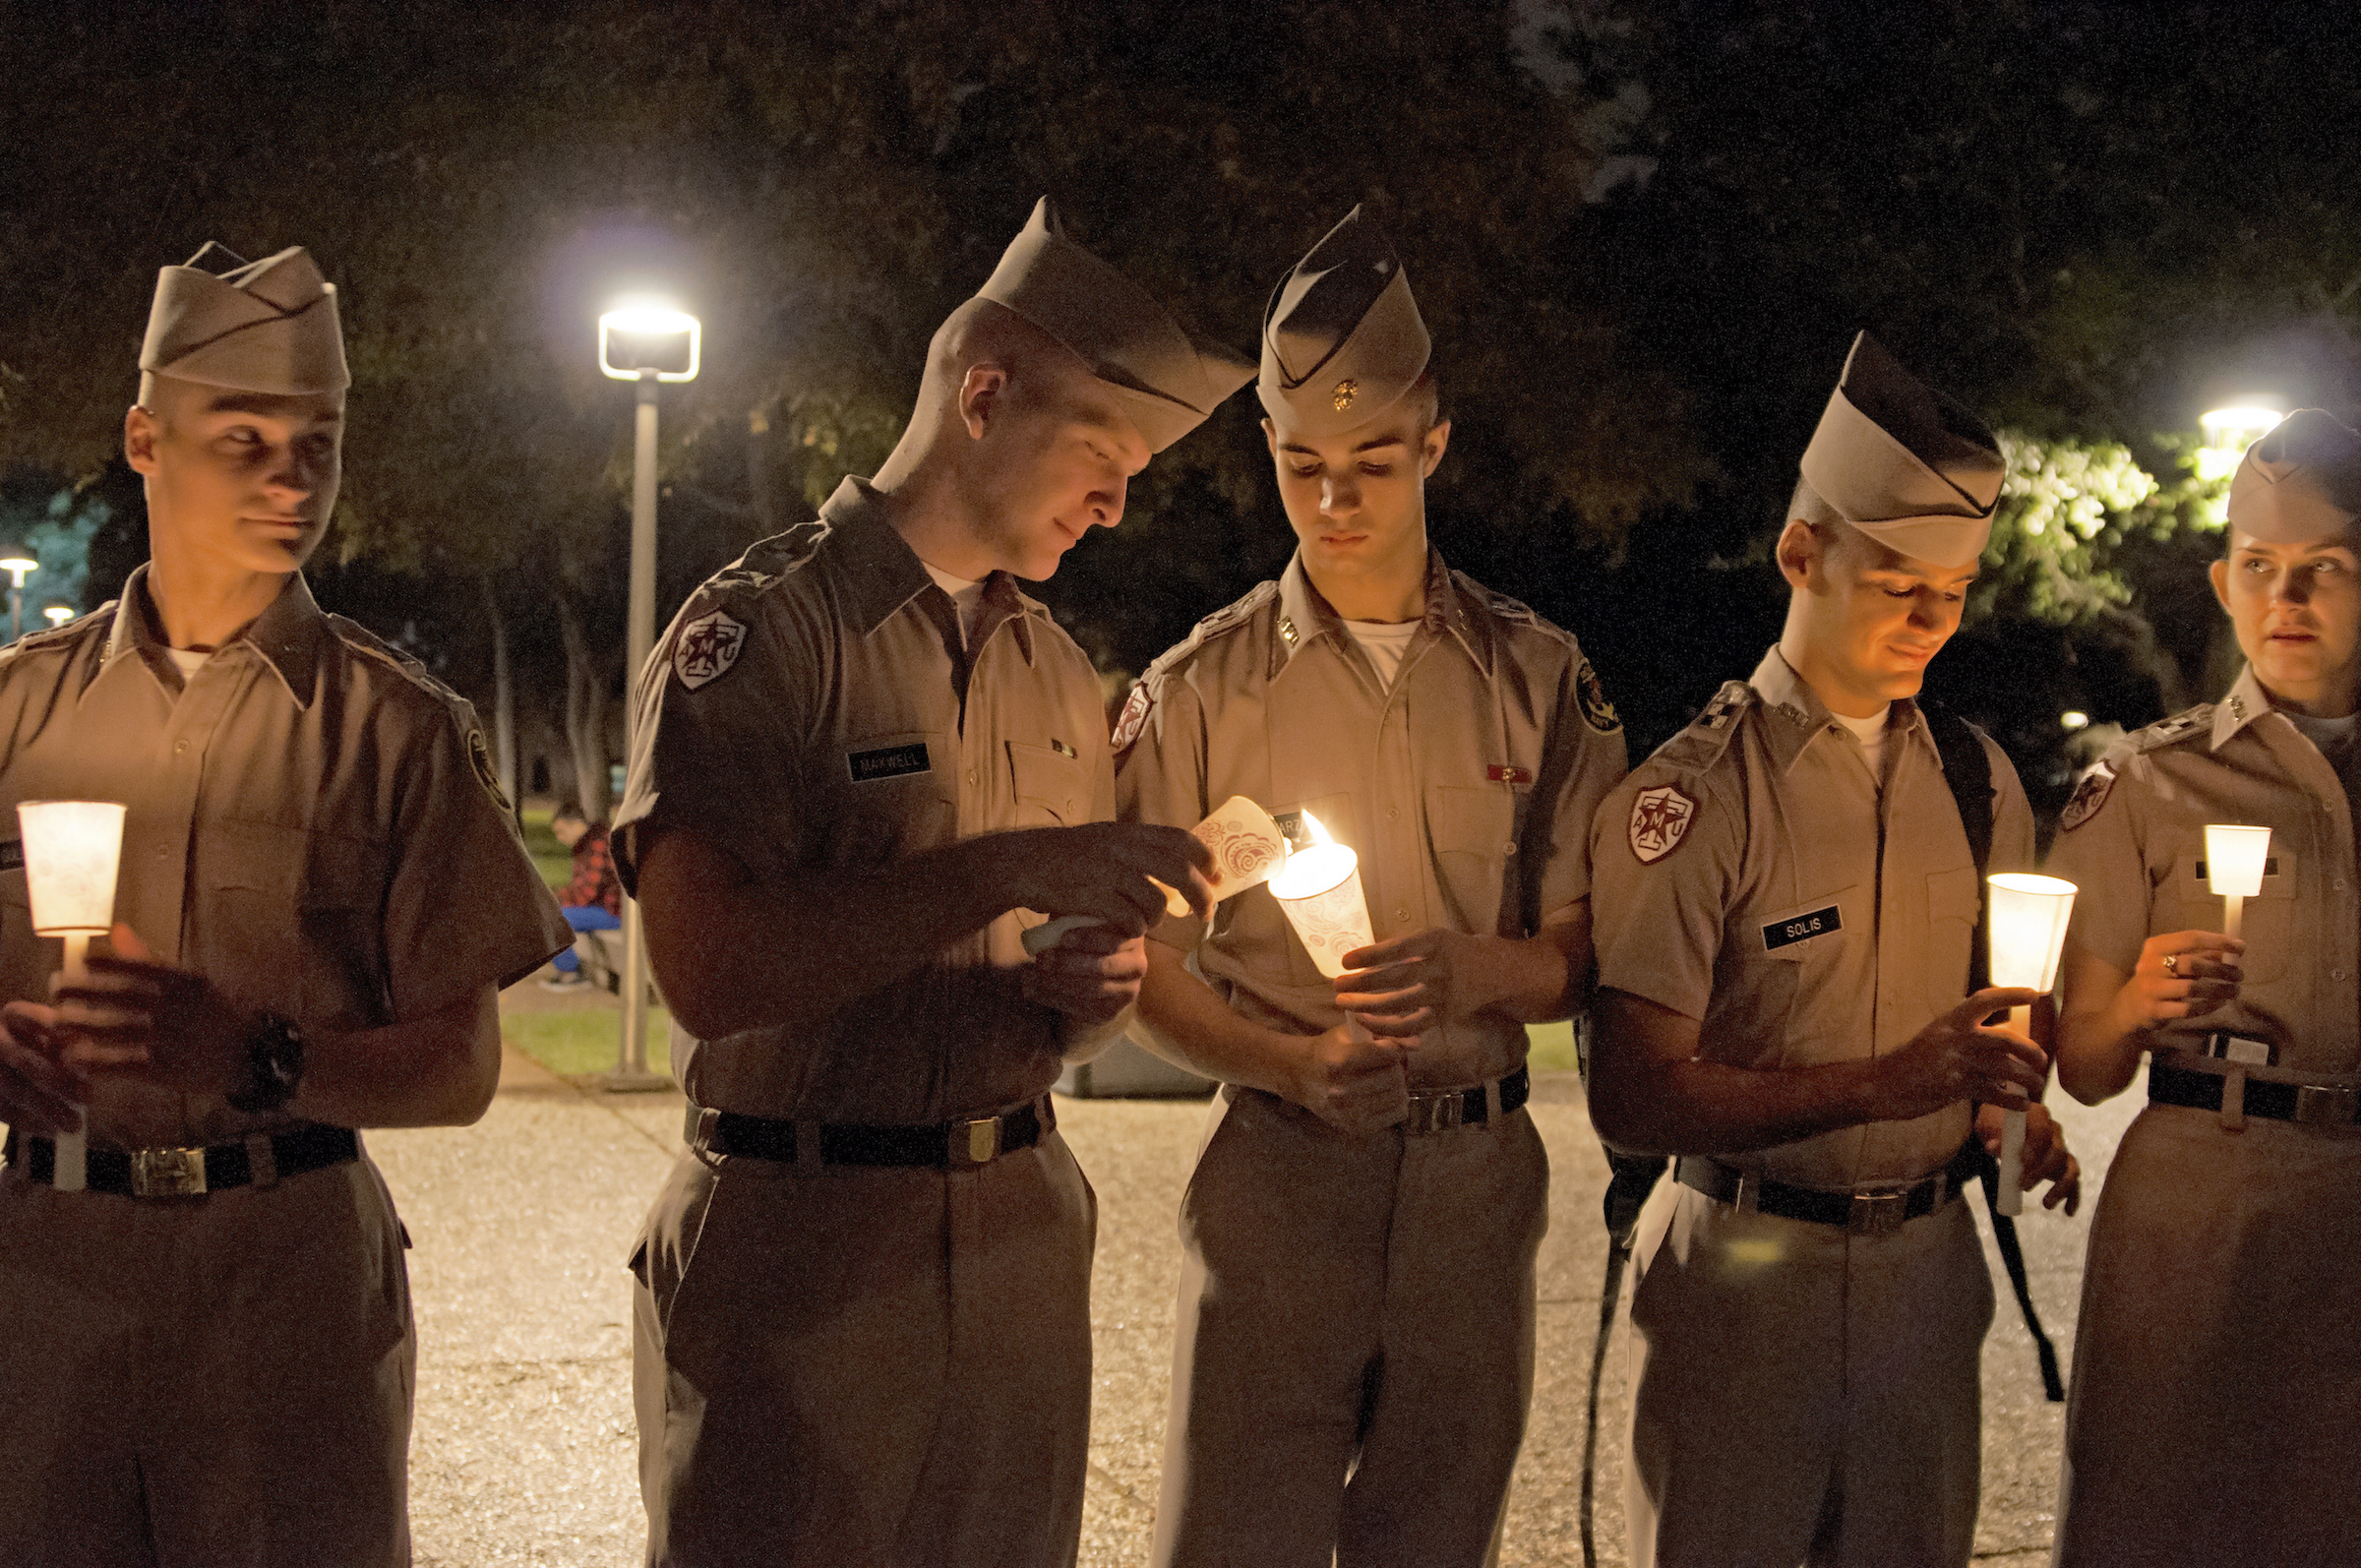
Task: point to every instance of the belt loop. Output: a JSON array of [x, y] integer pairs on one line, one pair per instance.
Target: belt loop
[[2233, 1100], [1748, 1194], [262, 1161], [807, 1147], [703, 1124]]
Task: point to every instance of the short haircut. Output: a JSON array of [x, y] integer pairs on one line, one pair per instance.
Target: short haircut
[[1425, 396]]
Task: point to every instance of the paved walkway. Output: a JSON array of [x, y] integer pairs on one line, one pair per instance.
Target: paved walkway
[[524, 1448]]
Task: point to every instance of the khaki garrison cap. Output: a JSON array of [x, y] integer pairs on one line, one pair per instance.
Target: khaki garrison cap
[[2300, 482], [1903, 464], [1341, 341], [1168, 378], [266, 326]]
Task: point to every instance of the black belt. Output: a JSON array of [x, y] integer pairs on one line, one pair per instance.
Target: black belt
[[192, 1172], [1436, 1110], [2316, 1104], [1869, 1213], [942, 1145]]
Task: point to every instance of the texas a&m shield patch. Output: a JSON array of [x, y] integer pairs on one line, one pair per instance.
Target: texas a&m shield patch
[[707, 648], [1134, 718], [2089, 796], [1660, 821]]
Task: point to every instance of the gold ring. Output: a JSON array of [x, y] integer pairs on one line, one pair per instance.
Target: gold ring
[[2172, 963]]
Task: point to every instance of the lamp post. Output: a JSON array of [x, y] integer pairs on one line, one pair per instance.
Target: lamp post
[[57, 614], [646, 344], [16, 561], [2232, 428]]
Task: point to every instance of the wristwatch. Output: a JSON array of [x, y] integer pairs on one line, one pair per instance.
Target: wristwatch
[[273, 1064]]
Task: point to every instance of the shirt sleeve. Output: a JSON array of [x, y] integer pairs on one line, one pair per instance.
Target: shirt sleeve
[[721, 709], [1580, 766], [1160, 774], [2098, 850], [465, 906], [1656, 923]]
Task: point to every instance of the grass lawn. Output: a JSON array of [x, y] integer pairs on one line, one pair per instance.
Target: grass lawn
[[1552, 1046], [584, 1039], [553, 860]]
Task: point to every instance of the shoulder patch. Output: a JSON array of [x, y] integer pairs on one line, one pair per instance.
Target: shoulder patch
[[479, 753], [2089, 796], [703, 649], [1134, 717], [1660, 821], [1596, 712]]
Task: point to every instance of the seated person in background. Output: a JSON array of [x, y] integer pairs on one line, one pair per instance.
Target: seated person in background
[[594, 900]]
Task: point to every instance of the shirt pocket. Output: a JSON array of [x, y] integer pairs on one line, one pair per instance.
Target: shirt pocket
[[341, 909], [1049, 786], [897, 796], [2268, 921], [1474, 834], [1954, 903]]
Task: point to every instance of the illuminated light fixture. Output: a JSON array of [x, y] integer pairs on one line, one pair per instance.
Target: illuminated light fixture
[[58, 614], [2235, 860], [73, 850], [643, 338], [16, 560], [2028, 932], [2232, 428], [2073, 719]]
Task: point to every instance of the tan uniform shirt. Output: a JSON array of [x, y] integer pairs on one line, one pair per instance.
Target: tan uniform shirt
[[1465, 787], [811, 709], [1754, 875], [2134, 839], [313, 826]]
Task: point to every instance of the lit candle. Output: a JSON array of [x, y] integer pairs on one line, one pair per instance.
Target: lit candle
[[2234, 861], [73, 850], [2027, 930], [1247, 850], [1319, 888]]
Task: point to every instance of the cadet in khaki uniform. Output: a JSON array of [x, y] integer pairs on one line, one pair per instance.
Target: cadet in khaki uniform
[[1355, 1348], [207, 1357], [1785, 899], [2216, 1415], [864, 763]]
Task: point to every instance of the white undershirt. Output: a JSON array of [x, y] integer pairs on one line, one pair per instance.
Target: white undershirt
[[188, 661], [1871, 732], [2329, 736], [1384, 641], [966, 597]]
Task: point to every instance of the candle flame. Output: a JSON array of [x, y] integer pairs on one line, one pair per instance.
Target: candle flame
[[1311, 827]]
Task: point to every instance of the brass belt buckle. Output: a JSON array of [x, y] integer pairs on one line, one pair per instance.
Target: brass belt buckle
[[167, 1173], [1877, 1213], [1437, 1113], [976, 1142], [2318, 1105]]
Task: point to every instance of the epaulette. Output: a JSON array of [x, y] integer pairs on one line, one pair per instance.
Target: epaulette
[[1150, 684], [456, 708], [61, 636], [1513, 611], [1708, 734], [767, 563], [2198, 720]]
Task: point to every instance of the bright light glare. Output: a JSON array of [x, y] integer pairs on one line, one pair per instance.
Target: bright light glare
[[640, 320], [2073, 719], [18, 561], [58, 614], [2240, 425]]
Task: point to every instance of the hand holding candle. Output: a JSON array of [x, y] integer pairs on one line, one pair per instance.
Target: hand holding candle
[[1248, 849], [2026, 925], [73, 851], [2235, 861]]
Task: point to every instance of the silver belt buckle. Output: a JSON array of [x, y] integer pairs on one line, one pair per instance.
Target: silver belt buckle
[[976, 1142], [167, 1173], [2318, 1105], [1437, 1113], [1877, 1213]]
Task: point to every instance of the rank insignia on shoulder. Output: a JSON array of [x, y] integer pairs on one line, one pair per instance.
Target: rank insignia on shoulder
[[1133, 719], [1660, 821], [479, 757], [1596, 712], [2089, 797], [707, 648], [1509, 775]]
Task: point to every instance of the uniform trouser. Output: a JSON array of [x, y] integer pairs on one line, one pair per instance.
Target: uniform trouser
[[2215, 1414], [1353, 1355], [208, 1381], [868, 1366], [1801, 1394]]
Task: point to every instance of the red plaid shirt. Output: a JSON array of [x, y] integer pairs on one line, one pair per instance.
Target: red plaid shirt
[[594, 879]]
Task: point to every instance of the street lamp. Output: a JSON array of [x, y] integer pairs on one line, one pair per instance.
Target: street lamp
[[646, 343], [16, 561], [2232, 428], [58, 614]]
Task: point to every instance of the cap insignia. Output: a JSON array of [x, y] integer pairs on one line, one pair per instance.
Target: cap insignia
[[1346, 390]]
